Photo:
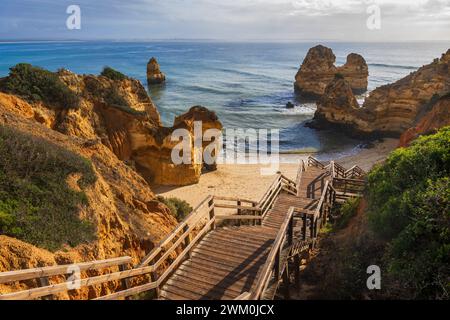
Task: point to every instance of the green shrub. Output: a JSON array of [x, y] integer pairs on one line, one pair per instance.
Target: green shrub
[[409, 205], [339, 76], [112, 74], [113, 97], [347, 211], [37, 84], [179, 208], [36, 203]]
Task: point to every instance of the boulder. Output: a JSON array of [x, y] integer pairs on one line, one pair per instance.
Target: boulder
[[154, 74], [318, 70], [290, 105]]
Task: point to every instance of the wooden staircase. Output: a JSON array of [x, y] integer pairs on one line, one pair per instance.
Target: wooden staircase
[[243, 255]]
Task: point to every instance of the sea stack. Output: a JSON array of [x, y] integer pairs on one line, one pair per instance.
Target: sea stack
[[391, 109], [318, 70], [337, 104], [154, 74]]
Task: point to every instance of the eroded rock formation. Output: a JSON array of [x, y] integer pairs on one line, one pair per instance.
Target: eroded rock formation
[[337, 103], [121, 115], [318, 70], [432, 121], [389, 109], [127, 217], [154, 74]]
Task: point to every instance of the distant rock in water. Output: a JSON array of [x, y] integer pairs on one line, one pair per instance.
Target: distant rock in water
[[337, 104], [389, 109], [318, 70], [154, 74], [290, 105]]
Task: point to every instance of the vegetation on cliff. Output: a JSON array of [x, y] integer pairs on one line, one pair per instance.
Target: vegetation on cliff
[[179, 208], [113, 74], [409, 206], [37, 84], [37, 204], [402, 225]]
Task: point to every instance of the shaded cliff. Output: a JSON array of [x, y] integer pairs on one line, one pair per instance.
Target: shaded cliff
[[318, 70]]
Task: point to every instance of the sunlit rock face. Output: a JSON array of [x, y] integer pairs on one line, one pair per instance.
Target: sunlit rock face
[[388, 110], [431, 122], [318, 70], [154, 74]]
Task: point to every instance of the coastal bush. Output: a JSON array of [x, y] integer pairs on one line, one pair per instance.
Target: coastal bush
[[37, 84], [36, 203], [409, 206], [347, 211], [179, 208], [112, 74]]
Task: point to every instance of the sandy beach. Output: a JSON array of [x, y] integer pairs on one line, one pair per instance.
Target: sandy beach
[[247, 182]]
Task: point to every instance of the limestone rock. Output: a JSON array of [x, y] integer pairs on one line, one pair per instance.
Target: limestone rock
[[318, 70], [337, 104], [437, 118], [120, 204], [396, 107], [154, 74]]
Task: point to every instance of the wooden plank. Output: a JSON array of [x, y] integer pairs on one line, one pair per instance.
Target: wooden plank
[[152, 255], [239, 217], [129, 292], [235, 199], [27, 274], [63, 287]]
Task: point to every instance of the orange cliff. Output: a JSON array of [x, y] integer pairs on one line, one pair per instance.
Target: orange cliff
[[318, 70], [390, 109], [128, 148]]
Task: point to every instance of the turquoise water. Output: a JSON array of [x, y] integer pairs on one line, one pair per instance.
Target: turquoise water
[[247, 84]]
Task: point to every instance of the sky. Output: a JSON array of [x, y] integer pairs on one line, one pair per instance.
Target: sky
[[283, 20]]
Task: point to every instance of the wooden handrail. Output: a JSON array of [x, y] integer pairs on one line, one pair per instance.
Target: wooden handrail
[[266, 271], [152, 255], [27, 274], [66, 286]]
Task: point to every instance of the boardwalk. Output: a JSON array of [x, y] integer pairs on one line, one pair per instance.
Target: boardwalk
[[245, 254], [227, 261]]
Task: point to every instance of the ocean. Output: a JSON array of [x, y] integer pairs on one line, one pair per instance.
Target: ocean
[[247, 84]]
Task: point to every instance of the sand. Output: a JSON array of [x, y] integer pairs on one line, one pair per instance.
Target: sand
[[246, 181]]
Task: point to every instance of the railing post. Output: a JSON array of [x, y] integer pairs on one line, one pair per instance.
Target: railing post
[[297, 270], [304, 227], [43, 282], [239, 211], [291, 231], [311, 227], [277, 265], [187, 240], [211, 213]]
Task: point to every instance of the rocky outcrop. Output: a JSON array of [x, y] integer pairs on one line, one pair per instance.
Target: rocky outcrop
[[393, 108], [154, 74], [121, 115], [437, 118], [120, 204], [318, 70], [337, 103]]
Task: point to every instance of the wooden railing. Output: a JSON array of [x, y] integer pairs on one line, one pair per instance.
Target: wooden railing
[[68, 272], [274, 265], [313, 162]]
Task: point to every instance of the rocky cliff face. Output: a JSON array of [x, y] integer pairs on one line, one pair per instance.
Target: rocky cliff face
[[127, 217], [393, 108], [318, 70], [432, 121], [337, 103], [121, 115], [154, 74]]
